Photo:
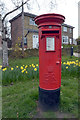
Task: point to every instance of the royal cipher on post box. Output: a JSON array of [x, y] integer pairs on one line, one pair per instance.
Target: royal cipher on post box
[[49, 59]]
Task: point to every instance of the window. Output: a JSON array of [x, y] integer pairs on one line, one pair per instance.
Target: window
[[70, 40], [25, 41], [70, 30], [65, 29], [35, 41], [65, 39], [32, 22], [50, 43]]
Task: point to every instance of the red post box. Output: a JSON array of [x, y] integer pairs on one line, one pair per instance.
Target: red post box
[[49, 59]]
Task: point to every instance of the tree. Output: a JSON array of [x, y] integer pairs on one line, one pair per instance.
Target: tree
[[5, 51], [3, 8], [52, 4]]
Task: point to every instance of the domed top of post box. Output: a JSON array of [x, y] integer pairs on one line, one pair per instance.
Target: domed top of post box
[[49, 19]]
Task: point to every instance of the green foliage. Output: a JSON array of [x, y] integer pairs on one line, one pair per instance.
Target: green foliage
[[22, 73], [31, 71]]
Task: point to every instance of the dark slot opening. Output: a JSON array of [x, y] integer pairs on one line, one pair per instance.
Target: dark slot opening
[[47, 32]]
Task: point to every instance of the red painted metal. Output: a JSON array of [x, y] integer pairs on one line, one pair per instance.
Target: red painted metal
[[49, 60]]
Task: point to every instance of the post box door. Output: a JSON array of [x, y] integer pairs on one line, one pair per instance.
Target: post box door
[[50, 59]]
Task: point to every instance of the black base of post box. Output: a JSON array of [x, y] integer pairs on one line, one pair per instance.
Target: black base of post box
[[49, 99]]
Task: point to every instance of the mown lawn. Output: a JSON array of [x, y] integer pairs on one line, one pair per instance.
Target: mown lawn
[[20, 98]]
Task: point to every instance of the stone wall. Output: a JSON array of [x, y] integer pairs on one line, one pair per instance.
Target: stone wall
[[35, 53], [66, 51]]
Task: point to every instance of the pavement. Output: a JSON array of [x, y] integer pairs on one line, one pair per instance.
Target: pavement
[[76, 54]]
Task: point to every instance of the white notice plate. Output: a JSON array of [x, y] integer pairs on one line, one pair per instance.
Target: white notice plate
[[50, 43]]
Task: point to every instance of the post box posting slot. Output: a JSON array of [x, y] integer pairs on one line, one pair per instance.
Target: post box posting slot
[[50, 31]]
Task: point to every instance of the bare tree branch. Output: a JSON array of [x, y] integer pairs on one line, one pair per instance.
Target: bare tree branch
[[3, 9], [13, 10], [16, 2], [52, 4]]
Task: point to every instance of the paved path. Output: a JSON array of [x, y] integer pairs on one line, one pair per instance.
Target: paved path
[[76, 54]]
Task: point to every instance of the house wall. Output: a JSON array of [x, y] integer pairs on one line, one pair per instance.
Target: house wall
[[27, 24], [16, 31], [70, 35], [27, 27]]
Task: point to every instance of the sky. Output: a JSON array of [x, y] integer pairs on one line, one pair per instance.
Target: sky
[[68, 8]]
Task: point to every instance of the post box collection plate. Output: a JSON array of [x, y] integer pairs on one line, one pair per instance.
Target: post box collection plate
[[50, 43], [49, 59]]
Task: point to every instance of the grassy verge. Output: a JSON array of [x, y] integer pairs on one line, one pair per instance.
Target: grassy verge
[[25, 61], [20, 98]]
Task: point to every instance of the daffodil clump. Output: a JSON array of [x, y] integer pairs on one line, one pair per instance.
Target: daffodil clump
[[28, 72], [19, 73], [70, 68]]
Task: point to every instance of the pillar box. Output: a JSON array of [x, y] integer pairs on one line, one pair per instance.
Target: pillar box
[[49, 59]]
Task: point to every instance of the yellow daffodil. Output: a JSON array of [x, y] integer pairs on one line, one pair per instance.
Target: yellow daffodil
[[22, 71], [0, 66], [67, 67], [12, 69], [37, 65], [64, 63], [68, 63], [22, 68], [29, 65], [35, 69], [76, 60], [16, 66], [33, 66], [4, 69], [77, 64], [26, 66]]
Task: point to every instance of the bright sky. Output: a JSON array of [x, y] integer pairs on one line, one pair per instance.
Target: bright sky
[[68, 8]]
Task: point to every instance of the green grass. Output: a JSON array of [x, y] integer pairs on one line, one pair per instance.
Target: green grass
[[19, 62], [20, 99], [69, 95]]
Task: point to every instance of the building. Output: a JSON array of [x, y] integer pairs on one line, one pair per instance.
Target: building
[[79, 19], [67, 34], [0, 33], [31, 31]]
